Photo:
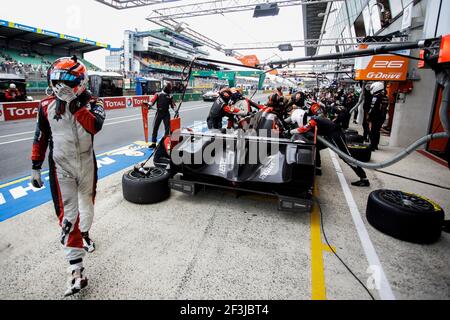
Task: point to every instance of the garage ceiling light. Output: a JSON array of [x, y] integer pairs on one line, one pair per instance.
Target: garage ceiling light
[[266, 10], [285, 47]]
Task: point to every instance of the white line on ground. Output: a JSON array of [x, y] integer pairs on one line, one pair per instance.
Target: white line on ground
[[16, 134], [14, 141], [369, 250]]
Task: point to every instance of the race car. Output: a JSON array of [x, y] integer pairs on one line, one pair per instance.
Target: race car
[[254, 159], [210, 96]]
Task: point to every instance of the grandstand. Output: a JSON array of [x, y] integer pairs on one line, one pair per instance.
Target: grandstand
[[162, 54], [29, 51]]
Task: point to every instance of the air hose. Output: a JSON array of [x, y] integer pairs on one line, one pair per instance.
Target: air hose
[[373, 166]]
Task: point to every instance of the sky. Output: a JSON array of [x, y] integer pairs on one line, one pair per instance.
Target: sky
[[95, 21]]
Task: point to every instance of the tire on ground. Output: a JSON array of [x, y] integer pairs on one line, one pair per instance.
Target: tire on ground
[[151, 189], [405, 216], [360, 151]]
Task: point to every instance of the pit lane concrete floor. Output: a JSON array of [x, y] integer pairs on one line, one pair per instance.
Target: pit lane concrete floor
[[214, 246]]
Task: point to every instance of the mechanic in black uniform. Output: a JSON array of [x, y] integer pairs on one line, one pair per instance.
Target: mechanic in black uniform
[[297, 99], [366, 107], [377, 113], [223, 107], [333, 133], [164, 101]]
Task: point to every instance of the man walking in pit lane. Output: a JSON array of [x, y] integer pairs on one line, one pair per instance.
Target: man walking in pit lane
[[67, 122], [333, 133], [164, 101]]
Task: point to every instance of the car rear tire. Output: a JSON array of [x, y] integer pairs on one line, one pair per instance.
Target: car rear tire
[[405, 216], [146, 189], [360, 151]]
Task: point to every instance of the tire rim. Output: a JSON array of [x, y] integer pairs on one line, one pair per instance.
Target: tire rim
[[405, 200], [152, 174]]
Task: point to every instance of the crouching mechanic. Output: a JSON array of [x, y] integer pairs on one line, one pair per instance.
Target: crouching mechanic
[[222, 107], [67, 122], [333, 133]]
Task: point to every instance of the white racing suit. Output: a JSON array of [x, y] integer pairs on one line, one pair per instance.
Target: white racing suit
[[72, 164]]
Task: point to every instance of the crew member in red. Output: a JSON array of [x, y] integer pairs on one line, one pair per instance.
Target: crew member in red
[[333, 133], [164, 101], [67, 122], [12, 94]]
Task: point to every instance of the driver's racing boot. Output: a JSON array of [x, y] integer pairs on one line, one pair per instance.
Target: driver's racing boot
[[361, 183], [77, 282], [88, 244]]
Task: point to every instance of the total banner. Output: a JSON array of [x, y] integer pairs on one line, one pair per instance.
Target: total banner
[[19, 110], [13, 111], [386, 67]]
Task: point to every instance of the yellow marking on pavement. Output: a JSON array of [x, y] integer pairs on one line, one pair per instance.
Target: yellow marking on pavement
[[328, 249], [318, 286]]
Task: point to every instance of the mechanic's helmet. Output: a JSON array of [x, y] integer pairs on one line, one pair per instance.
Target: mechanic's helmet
[[236, 94], [225, 94], [70, 72], [276, 102], [168, 88], [12, 86], [315, 109], [376, 87]]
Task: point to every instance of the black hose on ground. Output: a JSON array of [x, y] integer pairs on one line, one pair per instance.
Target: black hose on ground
[[373, 166]]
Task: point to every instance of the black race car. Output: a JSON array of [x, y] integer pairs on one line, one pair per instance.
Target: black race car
[[253, 158]]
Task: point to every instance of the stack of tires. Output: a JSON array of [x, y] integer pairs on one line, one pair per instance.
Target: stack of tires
[[356, 146], [352, 136], [406, 216]]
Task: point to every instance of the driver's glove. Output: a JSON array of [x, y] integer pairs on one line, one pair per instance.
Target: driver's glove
[[36, 179]]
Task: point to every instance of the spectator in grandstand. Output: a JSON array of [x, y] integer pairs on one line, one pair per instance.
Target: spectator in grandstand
[[12, 94]]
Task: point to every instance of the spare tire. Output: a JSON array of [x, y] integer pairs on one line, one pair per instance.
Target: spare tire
[[146, 189], [354, 138], [405, 216], [361, 152]]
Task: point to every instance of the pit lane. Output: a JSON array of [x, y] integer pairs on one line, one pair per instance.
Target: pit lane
[[217, 246]]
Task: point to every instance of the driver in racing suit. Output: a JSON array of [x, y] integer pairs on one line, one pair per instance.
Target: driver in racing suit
[[67, 122], [333, 133]]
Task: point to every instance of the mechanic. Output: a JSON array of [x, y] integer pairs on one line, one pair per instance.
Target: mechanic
[[377, 113], [164, 101], [333, 133], [223, 107], [280, 91], [12, 94], [249, 107], [366, 108], [67, 122], [297, 100]]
